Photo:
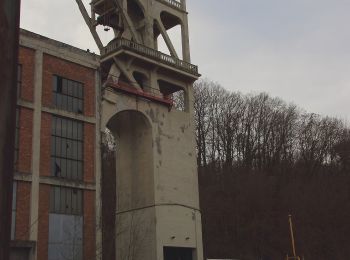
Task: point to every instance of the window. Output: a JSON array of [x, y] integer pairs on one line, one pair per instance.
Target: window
[[65, 224], [14, 209], [17, 137], [19, 80], [68, 95], [66, 201], [67, 148]]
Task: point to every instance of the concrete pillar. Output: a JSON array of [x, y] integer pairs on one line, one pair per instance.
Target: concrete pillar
[[185, 39], [34, 199], [98, 169], [148, 33]]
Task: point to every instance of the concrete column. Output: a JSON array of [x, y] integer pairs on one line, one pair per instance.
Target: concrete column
[[148, 33], [34, 200], [185, 39], [199, 241], [98, 169], [183, 2], [154, 79]]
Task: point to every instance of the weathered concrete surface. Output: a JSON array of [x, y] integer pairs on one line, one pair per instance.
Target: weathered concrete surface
[[157, 187]]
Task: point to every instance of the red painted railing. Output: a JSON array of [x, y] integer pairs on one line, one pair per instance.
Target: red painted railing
[[149, 93]]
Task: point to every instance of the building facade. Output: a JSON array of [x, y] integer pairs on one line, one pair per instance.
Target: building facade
[[55, 213]]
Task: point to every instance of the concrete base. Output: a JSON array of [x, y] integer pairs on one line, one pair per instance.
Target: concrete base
[[157, 185]]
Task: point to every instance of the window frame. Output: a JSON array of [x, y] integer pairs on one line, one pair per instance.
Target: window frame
[[68, 94], [67, 133]]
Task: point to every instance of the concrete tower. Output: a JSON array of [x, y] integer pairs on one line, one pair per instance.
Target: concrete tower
[[147, 103]]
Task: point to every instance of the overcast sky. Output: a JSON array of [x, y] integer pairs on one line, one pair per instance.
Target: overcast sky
[[298, 50]]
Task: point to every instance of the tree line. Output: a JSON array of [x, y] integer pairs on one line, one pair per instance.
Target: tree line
[[261, 159], [258, 132]]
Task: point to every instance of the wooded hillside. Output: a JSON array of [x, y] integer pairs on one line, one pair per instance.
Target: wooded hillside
[[261, 159]]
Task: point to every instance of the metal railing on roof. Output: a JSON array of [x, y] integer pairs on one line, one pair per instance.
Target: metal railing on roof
[[117, 44], [174, 3]]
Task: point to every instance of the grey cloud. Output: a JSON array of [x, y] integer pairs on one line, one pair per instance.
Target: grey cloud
[[298, 50]]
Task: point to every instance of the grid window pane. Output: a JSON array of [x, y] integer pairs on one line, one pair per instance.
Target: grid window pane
[[66, 200], [67, 148], [68, 94]]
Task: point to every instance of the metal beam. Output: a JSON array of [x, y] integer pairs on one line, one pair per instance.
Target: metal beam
[[89, 23], [131, 79], [167, 39]]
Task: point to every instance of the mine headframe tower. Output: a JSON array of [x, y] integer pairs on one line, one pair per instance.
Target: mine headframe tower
[[157, 205]]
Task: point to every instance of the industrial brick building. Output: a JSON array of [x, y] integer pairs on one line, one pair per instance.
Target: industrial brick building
[[55, 210]]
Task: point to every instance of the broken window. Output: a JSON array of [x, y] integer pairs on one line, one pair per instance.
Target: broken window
[[66, 200], [68, 95], [67, 148], [14, 210], [65, 224]]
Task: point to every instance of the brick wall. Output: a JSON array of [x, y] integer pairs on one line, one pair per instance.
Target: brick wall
[[55, 66], [22, 211], [26, 58], [25, 140]]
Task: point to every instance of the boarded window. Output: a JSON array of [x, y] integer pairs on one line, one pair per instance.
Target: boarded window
[[68, 95], [65, 237], [65, 224], [67, 148]]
